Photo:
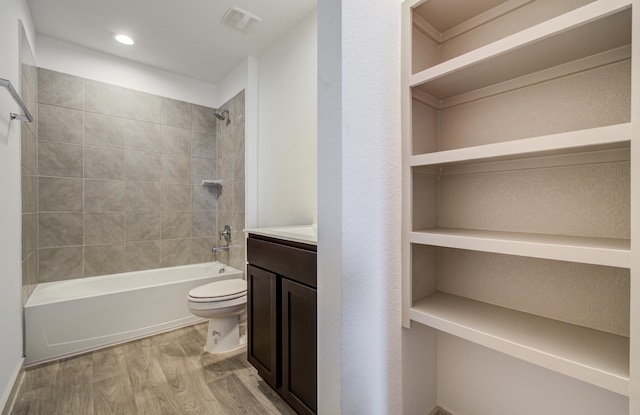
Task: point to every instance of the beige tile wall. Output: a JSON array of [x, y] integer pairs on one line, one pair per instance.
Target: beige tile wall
[[231, 203], [119, 179], [29, 135]]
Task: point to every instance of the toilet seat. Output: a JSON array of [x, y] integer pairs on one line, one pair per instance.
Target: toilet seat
[[219, 291]]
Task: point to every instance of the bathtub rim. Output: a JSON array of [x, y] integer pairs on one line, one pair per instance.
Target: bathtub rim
[[35, 301]]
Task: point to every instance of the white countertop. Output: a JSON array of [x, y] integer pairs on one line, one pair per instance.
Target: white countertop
[[307, 234]]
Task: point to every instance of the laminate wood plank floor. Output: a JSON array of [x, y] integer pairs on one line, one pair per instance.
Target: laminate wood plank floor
[[165, 374]]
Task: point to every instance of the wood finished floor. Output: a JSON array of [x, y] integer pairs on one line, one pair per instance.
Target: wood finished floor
[[165, 374]]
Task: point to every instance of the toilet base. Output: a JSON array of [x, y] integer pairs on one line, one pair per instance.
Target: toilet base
[[224, 334]]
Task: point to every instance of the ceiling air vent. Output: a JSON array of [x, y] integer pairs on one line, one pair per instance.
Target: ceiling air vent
[[239, 19]]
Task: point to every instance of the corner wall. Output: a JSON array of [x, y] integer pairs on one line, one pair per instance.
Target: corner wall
[[10, 208], [61, 56], [359, 210], [287, 146]]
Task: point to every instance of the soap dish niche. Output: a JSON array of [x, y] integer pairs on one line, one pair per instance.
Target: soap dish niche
[[212, 183]]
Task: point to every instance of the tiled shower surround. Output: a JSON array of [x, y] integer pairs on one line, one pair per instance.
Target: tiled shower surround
[[120, 179], [29, 134]]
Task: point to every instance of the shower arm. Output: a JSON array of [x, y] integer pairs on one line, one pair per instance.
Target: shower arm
[[27, 115]]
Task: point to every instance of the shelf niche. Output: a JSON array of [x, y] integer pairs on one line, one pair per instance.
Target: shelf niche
[[529, 308], [517, 181]]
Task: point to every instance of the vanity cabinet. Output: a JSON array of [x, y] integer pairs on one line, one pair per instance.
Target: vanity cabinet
[[281, 317]]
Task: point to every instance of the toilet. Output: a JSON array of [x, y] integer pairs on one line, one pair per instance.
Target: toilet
[[224, 303]]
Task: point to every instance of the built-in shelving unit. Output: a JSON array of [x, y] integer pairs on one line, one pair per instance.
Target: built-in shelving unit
[[596, 251], [593, 356], [517, 143]]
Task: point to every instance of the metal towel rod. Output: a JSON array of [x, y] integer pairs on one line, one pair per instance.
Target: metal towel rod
[[27, 115]]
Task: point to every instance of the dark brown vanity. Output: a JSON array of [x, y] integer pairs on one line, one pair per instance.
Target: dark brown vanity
[[281, 317]]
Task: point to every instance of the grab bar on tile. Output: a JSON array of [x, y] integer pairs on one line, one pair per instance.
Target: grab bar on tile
[[27, 115]]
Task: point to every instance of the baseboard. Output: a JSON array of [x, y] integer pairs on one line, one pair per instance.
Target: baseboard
[[439, 411], [9, 397]]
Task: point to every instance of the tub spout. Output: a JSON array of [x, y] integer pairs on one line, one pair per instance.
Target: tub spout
[[217, 249]]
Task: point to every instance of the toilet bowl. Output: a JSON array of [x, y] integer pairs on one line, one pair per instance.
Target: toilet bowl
[[224, 303]]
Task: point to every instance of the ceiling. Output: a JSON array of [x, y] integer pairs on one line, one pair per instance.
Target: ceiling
[[186, 37]]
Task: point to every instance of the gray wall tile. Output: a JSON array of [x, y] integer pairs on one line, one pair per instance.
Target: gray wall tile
[[238, 196], [201, 250], [140, 201], [59, 229], [56, 264], [144, 136], [175, 169], [142, 106], [29, 276], [103, 227], [144, 196], [142, 255], [176, 225], [176, 197], [203, 119], [238, 167], [176, 141], [104, 259], [59, 159], [143, 226], [103, 195], [103, 98], [228, 144], [225, 169], [103, 163], [60, 124], [205, 197], [142, 166], [29, 195], [28, 148], [175, 252], [225, 198], [203, 145], [59, 194], [60, 89], [29, 234], [103, 130], [176, 113], [204, 224], [203, 169]]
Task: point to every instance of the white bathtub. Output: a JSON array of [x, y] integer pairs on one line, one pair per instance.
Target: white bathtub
[[69, 317]]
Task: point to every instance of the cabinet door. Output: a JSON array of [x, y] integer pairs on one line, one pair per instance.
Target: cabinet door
[[262, 335], [299, 374]]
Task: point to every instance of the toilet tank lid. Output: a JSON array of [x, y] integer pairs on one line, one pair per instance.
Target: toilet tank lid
[[219, 288]]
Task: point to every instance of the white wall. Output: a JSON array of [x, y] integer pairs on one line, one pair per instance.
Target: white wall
[[359, 206], [10, 208], [474, 380], [87, 63], [287, 153]]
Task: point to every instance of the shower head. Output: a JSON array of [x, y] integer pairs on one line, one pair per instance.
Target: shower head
[[220, 115]]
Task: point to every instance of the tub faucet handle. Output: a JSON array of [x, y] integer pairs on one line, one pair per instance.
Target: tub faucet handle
[[226, 233]]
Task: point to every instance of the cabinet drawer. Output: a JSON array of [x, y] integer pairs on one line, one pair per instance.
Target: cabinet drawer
[[295, 263]]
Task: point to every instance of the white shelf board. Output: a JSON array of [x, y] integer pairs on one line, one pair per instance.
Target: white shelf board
[[593, 356], [596, 251], [593, 139], [597, 27]]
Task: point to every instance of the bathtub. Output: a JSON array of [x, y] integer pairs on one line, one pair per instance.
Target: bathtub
[[65, 318]]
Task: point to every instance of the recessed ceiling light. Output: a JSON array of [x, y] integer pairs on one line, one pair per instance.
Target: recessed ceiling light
[[124, 39]]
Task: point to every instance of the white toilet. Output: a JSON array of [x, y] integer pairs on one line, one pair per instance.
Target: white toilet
[[224, 303]]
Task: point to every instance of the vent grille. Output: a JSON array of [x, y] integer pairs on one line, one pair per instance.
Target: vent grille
[[239, 19]]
